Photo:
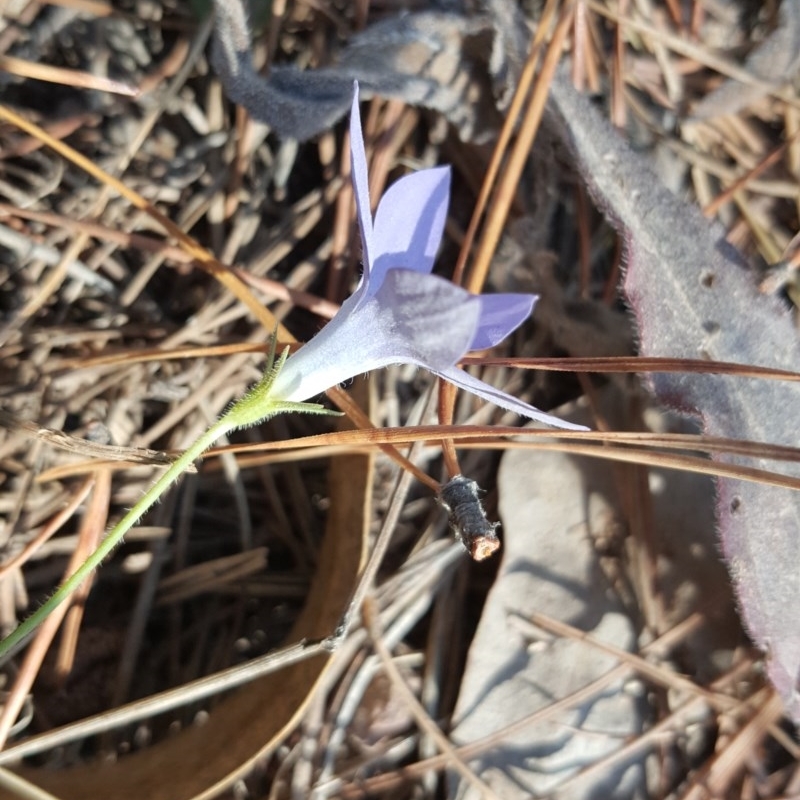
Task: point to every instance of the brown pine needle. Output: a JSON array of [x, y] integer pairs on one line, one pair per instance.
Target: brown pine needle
[[66, 77]]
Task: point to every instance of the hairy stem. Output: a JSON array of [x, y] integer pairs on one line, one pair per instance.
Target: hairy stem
[[114, 536]]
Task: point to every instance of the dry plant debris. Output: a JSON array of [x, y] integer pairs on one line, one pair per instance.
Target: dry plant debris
[[204, 657]]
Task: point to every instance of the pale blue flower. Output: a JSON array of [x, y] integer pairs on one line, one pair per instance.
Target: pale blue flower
[[400, 313]]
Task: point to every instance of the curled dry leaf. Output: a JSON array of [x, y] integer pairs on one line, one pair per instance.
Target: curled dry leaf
[[449, 62]]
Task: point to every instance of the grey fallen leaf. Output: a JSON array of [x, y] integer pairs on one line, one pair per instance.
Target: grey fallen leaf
[[774, 62], [553, 507], [550, 505], [449, 62], [693, 297]]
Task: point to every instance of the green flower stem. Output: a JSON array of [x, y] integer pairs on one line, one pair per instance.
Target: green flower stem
[[114, 536], [256, 406]]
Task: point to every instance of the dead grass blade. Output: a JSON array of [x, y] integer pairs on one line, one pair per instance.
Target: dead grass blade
[[67, 77]]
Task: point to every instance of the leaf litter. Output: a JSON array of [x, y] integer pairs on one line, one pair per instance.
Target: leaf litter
[[177, 603]]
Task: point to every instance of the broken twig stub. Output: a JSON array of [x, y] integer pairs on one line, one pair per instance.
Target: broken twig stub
[[468, 521]]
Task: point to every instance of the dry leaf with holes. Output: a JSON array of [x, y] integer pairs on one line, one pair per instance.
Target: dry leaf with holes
[[694, 297]]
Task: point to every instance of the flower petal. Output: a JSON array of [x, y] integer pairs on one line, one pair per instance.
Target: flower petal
[[466, 381], [411, 319], [328, 359], [434, 318], [501, 314], [358, 166], [410, 221]]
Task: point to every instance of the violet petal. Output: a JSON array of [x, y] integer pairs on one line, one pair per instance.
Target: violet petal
[[501, 314], [433, 318], [409, 222], [488, 392], [358, 165]]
